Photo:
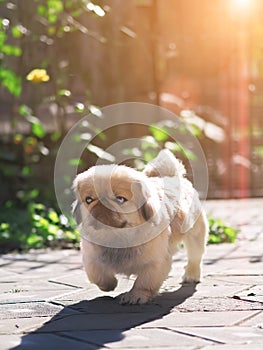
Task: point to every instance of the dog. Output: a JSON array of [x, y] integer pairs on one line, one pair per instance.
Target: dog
[[132, 222]]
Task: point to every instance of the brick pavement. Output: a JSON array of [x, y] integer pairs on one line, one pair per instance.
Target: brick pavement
[[47, 303]]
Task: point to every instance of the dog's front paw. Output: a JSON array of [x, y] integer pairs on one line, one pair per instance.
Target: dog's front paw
[[108, 285], [192, 274], [135, 297]]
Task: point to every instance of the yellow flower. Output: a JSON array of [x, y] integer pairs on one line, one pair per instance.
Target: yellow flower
[[38, 76], [18, 138]]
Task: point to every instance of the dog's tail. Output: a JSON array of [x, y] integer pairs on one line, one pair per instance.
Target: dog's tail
[[165, 164]]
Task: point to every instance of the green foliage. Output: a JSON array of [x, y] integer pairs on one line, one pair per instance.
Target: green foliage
[[159, 137], [10, 81], [37, 226], [219, 232], [51, 10], [37, 128], [8, 78], [43, 26], [34, 226], [159, 133], [30, 224]]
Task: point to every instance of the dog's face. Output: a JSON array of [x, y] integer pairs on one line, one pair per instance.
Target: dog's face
[[116, 196]]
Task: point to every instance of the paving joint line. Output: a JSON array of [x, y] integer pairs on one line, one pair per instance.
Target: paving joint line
[[176, 330], [101, 346], [255, 314], [65, 284]]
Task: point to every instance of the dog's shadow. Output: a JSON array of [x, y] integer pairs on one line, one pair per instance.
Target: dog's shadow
[[101, 321]]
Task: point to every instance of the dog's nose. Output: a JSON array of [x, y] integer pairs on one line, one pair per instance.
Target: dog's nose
[[103, 215]]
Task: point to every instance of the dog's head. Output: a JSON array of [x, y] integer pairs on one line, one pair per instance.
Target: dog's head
[[116, 196]]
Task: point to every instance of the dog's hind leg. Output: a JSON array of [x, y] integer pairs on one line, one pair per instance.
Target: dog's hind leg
[[195, 243]]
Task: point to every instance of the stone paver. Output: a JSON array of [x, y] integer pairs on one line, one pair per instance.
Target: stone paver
[[46, 301]]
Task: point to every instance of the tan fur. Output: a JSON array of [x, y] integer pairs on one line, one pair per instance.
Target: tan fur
[[151, 260]]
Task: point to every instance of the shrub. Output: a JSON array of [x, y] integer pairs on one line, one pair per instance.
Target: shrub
[[34, 226], [219, 232]]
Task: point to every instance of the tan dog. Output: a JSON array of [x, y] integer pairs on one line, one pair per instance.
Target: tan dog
[[131, 223]]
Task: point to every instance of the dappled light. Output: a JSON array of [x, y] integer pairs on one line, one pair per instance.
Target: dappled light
[[131, 167], [65, 60]]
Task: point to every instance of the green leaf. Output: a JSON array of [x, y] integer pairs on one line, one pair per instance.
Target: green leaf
[[17, 51], [26, 170], [195, 130], [55, 136], [55, 5], [36, 207], [24, 110], [4, 226], [76, 13], [41, 10], [69, 4], [32, 194], [148, 156], [41, 223], [38, 130], [70, 236], [213, 239], [64, 92], [52, 230], [10, 81], [100, 134], [158, 133], [33, 240], [52, 18], [10, 50], [36, 126], [2, 38], [53, 216], [75, 162]]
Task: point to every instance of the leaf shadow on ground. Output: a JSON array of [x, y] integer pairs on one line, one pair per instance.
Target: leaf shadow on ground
[[95, 323]]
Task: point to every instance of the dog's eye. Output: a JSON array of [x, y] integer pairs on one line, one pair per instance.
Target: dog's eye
[[89, 200], [121, 200]]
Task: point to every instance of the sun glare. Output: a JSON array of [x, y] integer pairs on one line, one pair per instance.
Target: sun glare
[[242, 3], [242, 8], [96, 9]]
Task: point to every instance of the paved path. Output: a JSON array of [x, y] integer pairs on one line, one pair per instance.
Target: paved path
[[47, 303]]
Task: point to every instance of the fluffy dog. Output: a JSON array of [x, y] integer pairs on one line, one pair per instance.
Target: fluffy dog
[[132, 222]]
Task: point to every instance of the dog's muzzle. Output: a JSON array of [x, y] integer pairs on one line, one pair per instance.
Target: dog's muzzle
[[101, 214]]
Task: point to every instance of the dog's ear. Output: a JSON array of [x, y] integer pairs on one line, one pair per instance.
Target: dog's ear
[[148, 209], [76, 211], [150, 204]]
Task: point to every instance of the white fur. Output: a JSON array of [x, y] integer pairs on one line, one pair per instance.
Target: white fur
[[177, 216]]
